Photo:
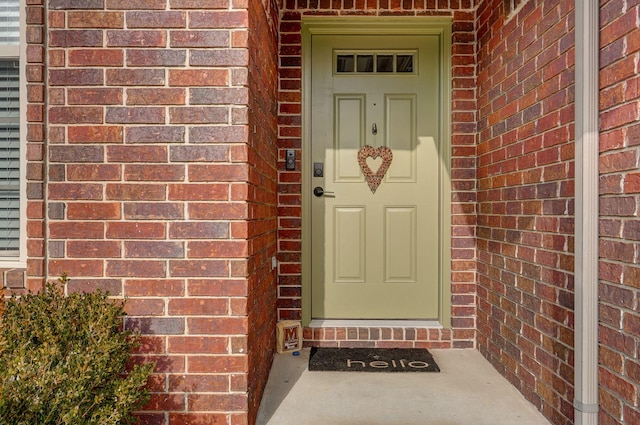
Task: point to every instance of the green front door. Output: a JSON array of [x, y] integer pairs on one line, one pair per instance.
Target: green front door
[[375, 236]]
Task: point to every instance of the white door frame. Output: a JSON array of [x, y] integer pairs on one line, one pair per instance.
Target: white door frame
[[381, 25]]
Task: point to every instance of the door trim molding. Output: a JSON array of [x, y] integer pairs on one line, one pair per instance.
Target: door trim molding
[[381, 25]]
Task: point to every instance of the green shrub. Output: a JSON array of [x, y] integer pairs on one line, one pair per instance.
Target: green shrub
[[63, 360]]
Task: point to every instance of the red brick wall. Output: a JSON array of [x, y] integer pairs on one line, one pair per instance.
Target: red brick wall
[[525, 199], [262, 152], [619, 332], [463, 164], [162, 189], [35, 150]]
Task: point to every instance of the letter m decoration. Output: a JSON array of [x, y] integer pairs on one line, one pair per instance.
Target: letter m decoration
[[289, 336]]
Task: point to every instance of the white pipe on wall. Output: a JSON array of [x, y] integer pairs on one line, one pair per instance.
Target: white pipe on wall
[[586, 212]]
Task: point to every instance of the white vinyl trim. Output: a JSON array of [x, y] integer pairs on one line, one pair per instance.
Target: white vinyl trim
[[9, 51], [586, 214]]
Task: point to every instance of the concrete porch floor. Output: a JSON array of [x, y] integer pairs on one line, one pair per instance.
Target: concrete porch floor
[[467, 391]]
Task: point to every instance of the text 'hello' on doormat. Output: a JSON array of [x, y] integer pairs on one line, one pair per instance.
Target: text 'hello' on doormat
[[372, 360]]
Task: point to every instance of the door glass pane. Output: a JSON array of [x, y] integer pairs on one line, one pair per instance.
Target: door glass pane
[[344, 63], [365, 63], [9, 21], [404, 63], [384, 63]]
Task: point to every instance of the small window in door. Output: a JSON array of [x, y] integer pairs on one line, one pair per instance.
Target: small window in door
[[384, 63], [344, 63], [369, 62], [404, 63], [365, 63]]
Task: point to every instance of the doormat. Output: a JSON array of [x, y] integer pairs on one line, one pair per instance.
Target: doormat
[[372, 360]]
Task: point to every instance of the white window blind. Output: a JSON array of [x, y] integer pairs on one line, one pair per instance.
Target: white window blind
[[9, 21], [9, 157]]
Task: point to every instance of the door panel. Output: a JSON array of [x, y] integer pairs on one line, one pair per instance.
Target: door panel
[[350, 245], [400, 136], [349, 126], [400, 244], [375, 255]]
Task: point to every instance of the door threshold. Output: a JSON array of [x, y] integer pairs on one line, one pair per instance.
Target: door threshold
[[346, 323]]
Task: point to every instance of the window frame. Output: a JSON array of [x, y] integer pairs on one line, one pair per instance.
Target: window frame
[[512, 7], [19, 52], [395, 53]]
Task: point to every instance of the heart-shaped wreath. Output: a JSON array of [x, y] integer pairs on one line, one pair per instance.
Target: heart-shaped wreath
[[374, 179]]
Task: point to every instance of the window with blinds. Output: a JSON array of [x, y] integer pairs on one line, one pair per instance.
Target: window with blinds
[[9, 128], [9, 156], [9, 21]]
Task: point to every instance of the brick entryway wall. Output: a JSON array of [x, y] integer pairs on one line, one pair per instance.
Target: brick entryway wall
[[525, 198], [526, 207], [162, 180], [463, 173]]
